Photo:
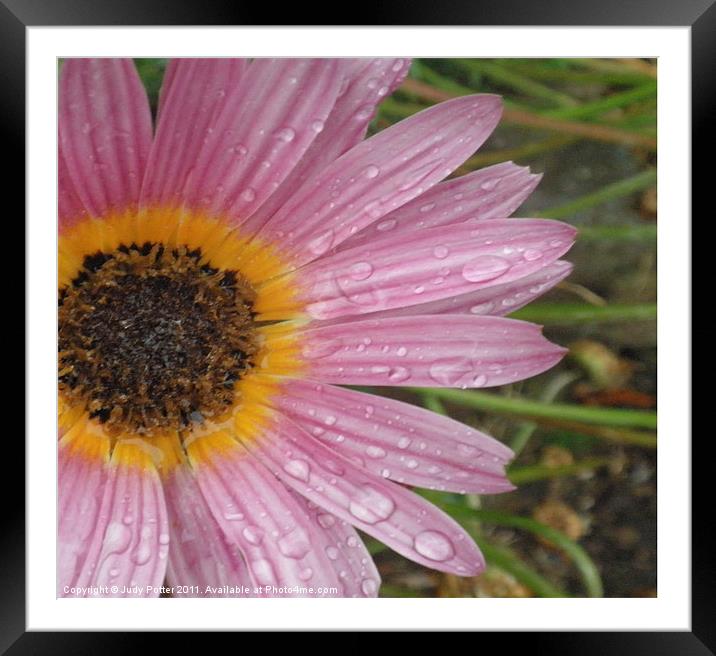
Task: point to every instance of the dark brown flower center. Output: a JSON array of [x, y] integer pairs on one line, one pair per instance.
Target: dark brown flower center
[[152, 338]]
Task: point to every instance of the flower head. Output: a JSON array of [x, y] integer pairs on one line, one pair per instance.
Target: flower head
[[223, 274]]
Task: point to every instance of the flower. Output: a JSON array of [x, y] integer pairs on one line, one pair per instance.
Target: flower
[[221, 278]]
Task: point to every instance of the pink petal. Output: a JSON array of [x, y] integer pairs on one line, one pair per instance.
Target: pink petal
[[494, 192], [199, 554], [397, 440], [350, 559], [105, 132], [381, 174], [193, 94], [268, 122], [498, 300], [131, 537], [80, 486], [281, 545], [429, 265], [389, 512], [369, 82], [437, 350], [70, 209]]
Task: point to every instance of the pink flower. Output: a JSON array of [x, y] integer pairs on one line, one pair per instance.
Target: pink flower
[[222, 274]]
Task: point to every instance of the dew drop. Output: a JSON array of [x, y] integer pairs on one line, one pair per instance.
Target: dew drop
[[399, 374], [361, 270], [375, 452], [253, 535], [450, 371], [322, 349], [294, 544], [371, 171], [298, 469], [325, 520], [248, 194], [320, 244], [286, 135], [441, 252], [368, 587], [386, 225], [370, 505], [532, 254], [434, 545], [485, 267], [263, 571]]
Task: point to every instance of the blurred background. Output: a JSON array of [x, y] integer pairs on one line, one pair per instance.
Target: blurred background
[[583, 519]]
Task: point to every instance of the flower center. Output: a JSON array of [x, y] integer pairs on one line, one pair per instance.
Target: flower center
[[154, 338]]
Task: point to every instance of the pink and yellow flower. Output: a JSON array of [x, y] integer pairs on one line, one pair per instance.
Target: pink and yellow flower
[[225, 273]]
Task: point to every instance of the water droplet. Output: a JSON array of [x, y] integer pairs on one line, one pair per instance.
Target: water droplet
[[482, 308], [402, 352], [485, 267], [320, 244], [368, 587], [375, 452], [286, 135], [419, 289], [434, 545], [441, 252], [427, 207], [322, 349], [386, 225], [370, 505], [163, 538], [325, 520], [479, 380], [294, 544], [305, 574], [412, 464], [489, 185], [117, 538], [450, 371], [332, 553], [371, 171], [298, 469], [532, 254], [361, 270], [317, 126], [399, 374], [263, 571], [248, 194], [253, 535], [403, 442]]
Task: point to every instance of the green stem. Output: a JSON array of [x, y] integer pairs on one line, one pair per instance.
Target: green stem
[[521, 407], [533, 473], [551, 391], [581, 313], [610, 192], [618, 233], [614, 101], [510, 78]]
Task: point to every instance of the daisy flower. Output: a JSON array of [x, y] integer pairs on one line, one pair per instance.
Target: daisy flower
[[225, 273]]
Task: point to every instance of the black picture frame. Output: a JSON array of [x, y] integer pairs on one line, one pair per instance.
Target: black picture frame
[[699, 15]]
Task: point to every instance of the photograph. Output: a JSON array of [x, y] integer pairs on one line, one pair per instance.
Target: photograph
[[357, 327]]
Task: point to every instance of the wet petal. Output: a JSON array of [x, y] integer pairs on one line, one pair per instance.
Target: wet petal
[[396, 440], [369, 82], [497, 300], [105, 132], [494, 192], [281, 545], [428, 265], [265, 127], [82, 473], [379, 175], [436, 350], [193, 95], [389, 512], [131, 538], [199, 554]]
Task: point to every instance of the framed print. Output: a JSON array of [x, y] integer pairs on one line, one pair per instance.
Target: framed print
[[357, 327]]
